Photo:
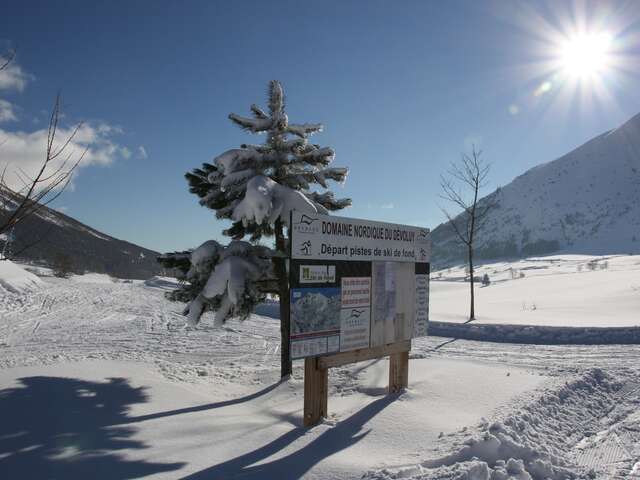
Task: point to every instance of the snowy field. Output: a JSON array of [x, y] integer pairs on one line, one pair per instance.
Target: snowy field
[[101, 378], [567, 290]]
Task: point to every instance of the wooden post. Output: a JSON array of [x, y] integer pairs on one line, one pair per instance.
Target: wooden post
[[316, 392], [398, 371], [316, 378]]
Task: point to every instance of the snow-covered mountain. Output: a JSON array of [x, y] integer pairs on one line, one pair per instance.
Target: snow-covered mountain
[[587, 201], [47, 234]]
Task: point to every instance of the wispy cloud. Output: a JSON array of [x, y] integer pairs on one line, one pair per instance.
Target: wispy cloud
[[142, 153], [7, 112], [13, 77], [385, 206]]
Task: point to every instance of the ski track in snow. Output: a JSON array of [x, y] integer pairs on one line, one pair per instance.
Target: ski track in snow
[[554, 359], [69, 321]]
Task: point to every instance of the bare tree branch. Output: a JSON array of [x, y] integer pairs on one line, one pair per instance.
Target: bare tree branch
[[11, 54], [462, 237]]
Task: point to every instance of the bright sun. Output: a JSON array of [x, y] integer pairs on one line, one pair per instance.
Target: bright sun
[[586, 55]]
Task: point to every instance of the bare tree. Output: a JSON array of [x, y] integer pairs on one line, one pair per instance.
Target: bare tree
[[48, 183], [7, 59], [469, 174], [62, 265]]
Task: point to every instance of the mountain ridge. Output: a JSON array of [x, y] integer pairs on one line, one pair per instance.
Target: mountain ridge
[[88, 249], [586, 201]]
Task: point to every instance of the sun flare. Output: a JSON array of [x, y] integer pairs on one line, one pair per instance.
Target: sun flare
[[586, 55]]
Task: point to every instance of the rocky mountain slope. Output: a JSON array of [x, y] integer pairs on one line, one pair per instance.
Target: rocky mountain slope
[[46, 235], [587, 201]]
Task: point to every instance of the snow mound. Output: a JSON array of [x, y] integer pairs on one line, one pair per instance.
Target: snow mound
[[16, 279], [537, 334], [92, 278], [38, 270], [529, 445], [163, 283]]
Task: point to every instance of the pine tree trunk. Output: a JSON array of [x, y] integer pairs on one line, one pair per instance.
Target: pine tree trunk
[[472, 313], [283, 288]]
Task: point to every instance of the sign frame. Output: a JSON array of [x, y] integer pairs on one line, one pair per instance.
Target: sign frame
[[332, 266]]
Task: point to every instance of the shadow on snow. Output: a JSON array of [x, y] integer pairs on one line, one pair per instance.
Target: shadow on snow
[[294, 465], [63, 428], [200, 408]]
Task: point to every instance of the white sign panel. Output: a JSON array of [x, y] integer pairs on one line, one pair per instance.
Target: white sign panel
[[356, 292], [354, 328], [324, 237], [422, 306], [355, 314]]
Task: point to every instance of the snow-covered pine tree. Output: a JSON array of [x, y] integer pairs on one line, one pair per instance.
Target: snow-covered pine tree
[[255, 187]]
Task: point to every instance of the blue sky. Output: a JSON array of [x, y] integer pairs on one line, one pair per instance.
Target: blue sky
[[402, 89]]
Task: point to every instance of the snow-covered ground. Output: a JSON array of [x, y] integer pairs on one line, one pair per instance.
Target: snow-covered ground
[[103, 379], [567, 290]]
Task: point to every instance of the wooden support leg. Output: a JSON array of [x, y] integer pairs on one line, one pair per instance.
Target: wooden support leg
[[398, 372], [315, 391]]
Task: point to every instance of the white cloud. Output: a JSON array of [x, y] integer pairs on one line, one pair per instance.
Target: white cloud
[[385, 206], [25, 151], [7, 113], [142, 153], [13, 77]]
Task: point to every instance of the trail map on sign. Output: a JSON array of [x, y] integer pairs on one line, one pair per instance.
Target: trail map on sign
[[356, 284]]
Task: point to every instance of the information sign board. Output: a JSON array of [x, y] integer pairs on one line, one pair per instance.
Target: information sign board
[[356, 284]]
